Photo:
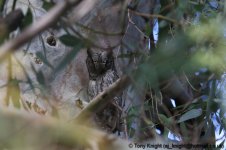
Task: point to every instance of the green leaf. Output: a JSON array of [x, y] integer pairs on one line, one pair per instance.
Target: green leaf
[[184, 129], [69, 40], [168, 122], [47, 5], [194, 113], [133, 111], [199, 7], [148, 29], [67, 59], [28, 19], [166, 133], [2, 4], [15, 93], [39, 76]]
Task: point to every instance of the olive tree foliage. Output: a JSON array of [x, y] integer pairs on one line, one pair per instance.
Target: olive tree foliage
[[172, 87]]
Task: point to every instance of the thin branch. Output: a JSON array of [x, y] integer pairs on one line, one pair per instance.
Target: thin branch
[[39, 26], [33, 30], [155, 16], [189, 83], [90, 42], [138, 29], [14, 4], [100, 32], [102, 99]]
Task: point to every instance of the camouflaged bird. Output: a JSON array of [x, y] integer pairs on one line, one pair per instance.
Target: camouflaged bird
[[102, 74]]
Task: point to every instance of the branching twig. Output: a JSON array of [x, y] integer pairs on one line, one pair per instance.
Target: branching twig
[[155, 16], [138, 29]]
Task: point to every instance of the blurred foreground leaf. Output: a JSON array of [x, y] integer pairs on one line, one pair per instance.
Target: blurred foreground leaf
[[28, 19], [69, 40], [47, 5], [23, 131], [76, 45], [13, 93]]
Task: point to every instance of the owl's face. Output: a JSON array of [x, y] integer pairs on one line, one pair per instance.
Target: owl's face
[[98, 63]]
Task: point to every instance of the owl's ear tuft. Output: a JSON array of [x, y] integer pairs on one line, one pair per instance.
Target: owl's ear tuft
[[89, 52]]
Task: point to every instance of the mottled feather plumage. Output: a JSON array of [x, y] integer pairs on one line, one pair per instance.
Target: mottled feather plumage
[[102, 74]]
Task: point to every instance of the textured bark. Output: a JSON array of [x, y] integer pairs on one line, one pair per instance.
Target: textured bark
[[135, 41], [103, 98]]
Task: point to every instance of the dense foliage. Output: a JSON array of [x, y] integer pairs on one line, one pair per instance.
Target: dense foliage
[[181, 77]]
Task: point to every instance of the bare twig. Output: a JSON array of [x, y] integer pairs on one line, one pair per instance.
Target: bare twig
[[102, 99], [138, 29], [99, 32], [189, 83], [155, 16], [125, 129]]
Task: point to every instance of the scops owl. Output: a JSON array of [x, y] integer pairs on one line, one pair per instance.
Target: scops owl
[[102, 74]]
